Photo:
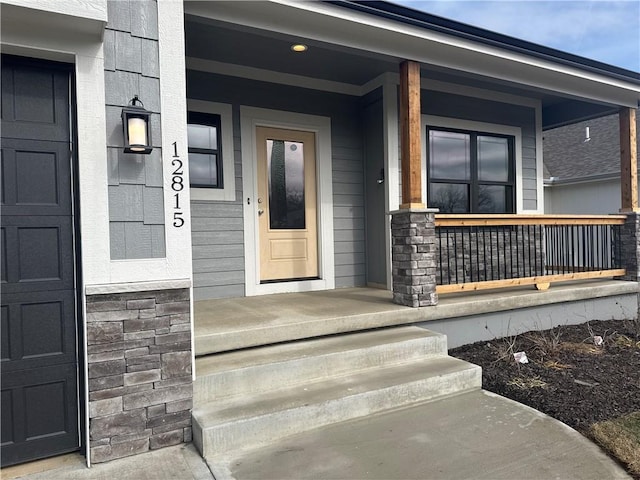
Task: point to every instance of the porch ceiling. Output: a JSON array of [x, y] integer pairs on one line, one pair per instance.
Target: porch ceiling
[[238, 45], [234, 44]]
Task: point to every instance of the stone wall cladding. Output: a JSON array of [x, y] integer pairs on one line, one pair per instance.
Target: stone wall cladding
[[140, 384], [413, 257], [630, 247], [477, 254]]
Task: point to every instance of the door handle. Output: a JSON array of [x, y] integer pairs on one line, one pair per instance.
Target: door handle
[[260, 211]]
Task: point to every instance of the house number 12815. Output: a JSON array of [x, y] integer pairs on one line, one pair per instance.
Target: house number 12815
[[177, 185]]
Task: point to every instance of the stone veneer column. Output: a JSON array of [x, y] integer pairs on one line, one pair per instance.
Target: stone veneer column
[[140, 385], [413, 257], [630, 248]]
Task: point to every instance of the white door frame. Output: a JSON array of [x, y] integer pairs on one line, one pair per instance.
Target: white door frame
[[250, 118]]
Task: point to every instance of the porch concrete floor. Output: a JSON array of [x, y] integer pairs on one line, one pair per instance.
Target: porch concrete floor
[[230, 324]]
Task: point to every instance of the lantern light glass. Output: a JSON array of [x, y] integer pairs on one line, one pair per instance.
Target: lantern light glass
[[135, 122]]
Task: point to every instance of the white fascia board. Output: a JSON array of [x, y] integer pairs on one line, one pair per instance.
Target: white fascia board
[[78, 16], [90, 9], [329, 23]]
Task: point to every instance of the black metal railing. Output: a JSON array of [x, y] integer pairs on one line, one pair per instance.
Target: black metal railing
[[582, 248], [484, 253], [475, 248]]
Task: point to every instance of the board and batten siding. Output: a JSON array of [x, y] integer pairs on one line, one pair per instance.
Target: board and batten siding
[[218, 252], [488, 111]]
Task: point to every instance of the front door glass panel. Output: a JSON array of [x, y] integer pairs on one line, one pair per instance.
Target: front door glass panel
[[285, 166]]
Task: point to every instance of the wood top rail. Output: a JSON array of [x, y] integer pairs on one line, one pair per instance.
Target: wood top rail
[[477, 220]]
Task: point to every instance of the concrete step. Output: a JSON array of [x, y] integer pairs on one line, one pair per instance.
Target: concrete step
[[247, 421], [247, 372]]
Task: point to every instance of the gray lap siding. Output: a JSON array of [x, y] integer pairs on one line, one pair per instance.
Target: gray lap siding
[[217, 226]]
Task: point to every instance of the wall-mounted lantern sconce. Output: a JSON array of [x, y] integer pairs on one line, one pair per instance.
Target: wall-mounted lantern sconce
[[137, 133]]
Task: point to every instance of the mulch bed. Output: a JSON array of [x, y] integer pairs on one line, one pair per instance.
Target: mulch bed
[[568, 376]]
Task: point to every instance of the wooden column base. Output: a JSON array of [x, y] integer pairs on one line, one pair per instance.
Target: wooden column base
[[412, 206]]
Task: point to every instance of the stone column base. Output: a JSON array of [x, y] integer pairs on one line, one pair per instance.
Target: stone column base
[[140, 386], [630, 251], [630, 247], [413, 257]]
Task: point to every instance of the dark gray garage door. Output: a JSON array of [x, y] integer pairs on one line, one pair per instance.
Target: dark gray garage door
[[39, 347]]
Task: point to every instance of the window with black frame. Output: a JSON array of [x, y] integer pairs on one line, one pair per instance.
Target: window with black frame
[[470, 172], [205, 152]]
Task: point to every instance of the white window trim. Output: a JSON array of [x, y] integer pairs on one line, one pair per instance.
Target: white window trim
[[250, 118], [228, 191], [391, 165], [455, 123]]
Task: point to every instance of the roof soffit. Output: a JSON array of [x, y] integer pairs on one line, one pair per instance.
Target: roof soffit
[[331, 24]]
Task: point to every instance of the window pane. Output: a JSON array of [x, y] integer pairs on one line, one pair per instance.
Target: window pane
[[203, 169], [493, 159], [449, 197], [449, 155], [494, 199], [202, 136], [285, 163]]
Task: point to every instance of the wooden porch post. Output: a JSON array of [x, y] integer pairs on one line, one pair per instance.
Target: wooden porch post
[[410, 135], [630, 233], [628, 160], [413, 238]]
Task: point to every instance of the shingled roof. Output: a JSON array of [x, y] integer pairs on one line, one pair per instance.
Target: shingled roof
[[569, 157]]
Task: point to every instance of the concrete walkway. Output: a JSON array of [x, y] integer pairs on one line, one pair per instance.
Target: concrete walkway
[[476, 435], [182, 462]]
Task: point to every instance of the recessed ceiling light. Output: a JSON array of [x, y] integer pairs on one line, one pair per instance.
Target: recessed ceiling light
[[299, 47]]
